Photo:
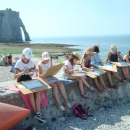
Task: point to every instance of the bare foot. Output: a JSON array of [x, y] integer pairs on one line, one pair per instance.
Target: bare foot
[[100, 90], [107, 89]]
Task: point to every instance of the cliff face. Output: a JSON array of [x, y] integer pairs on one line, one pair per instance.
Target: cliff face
[[10, 24]]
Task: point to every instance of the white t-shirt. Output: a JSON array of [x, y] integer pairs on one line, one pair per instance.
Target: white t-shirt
[[44, 66], [20, 65], [63, 68]]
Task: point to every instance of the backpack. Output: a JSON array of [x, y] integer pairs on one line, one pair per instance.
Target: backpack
[[80, 111]]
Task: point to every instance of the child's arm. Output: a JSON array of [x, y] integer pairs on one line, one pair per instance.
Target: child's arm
[[32, 69], [40, 71], [83, 66], [67, 71], [120, 58], [17, 75], [108, 55], [126, 58]]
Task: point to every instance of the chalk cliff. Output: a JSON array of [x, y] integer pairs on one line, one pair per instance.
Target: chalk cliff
[[10, 24]]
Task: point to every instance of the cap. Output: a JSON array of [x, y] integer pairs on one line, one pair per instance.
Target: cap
[[45, 56], [89, 51], [113, 48], [75, 55], [27, 52]]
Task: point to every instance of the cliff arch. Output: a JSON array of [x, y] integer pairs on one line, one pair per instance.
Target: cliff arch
[[10, 24]]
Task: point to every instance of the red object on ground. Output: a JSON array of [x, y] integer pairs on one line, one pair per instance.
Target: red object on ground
[[11, 115]]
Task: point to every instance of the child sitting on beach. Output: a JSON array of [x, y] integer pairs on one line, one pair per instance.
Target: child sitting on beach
[[23, 66], [97, 62], [85, 61], [68, 69], [126, 57], [53, 81], [113, 56]]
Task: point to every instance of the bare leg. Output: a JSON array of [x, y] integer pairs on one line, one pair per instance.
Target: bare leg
[[37, 96], [55, 93], [62, 90], [32, 101], [117, 76], [84, 82], [103, 84], [109, 78], [124, 72], [80, 84], [97, 85], [80, 77]]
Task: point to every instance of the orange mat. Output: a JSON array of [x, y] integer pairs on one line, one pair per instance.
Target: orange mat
[[11, 115]]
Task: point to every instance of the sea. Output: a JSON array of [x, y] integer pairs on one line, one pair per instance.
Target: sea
[[82, 42]]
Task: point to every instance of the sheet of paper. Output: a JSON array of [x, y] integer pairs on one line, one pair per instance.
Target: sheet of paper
[[32, 72], [78, 73], [108, 66], [122, 63], [20, 86], [32, 84], [96, 72]]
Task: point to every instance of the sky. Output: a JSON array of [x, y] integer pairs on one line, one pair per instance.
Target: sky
[[58, 18]]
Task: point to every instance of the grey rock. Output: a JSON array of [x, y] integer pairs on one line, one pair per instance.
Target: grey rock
[[10, 24]]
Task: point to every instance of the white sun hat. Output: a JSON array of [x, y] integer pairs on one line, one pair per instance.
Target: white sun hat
[[27, 52], [45, 56]]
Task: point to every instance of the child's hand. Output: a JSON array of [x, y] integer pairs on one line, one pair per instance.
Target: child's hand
[[47, 69], [119, 60], [92, 70], [76, 69], [25, 71]]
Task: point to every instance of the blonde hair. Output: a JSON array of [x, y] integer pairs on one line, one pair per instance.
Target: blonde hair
[[88, 51], [83, 57]]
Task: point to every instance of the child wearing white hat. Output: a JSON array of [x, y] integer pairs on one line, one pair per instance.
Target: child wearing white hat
[[22, 67], [53, 81]]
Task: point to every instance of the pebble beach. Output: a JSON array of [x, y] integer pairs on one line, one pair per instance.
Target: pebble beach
[[117, 118]]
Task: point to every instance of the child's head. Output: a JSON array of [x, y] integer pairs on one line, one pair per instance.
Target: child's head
[[96, 49], [27, 53], [113, 49], [74, 58], [45, 57], [128, 53], [87, 54]]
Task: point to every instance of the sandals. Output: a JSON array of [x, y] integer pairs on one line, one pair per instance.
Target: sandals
[[84, 96], [100, 90], [62, 109], [122, 80], [127, 79], [68, 105], [107, 89], [114, 87], [92, 89]]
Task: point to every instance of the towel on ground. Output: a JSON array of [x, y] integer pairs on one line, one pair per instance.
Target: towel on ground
[[43, 95]]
